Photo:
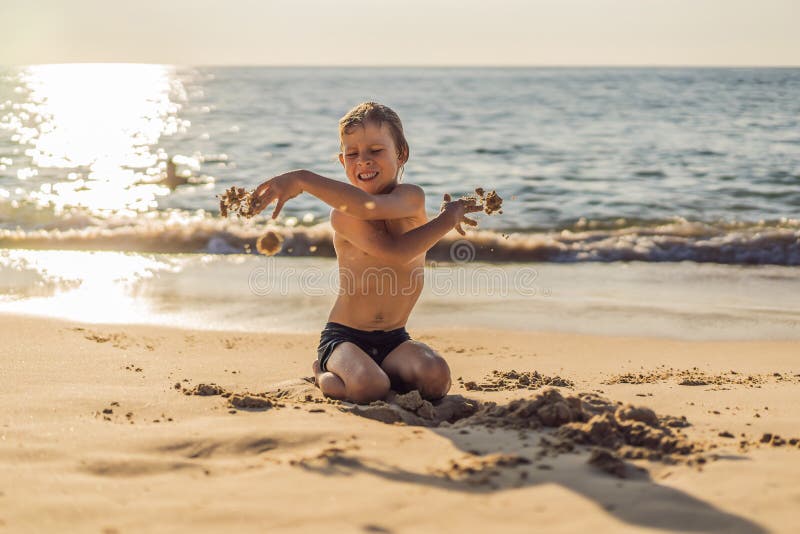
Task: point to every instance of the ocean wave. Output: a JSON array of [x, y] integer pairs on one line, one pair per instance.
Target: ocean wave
[[775, 242]]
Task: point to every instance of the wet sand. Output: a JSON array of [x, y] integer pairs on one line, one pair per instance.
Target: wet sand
[[119, 428]]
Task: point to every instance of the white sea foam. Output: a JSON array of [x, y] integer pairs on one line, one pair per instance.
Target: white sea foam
[[776, 243]]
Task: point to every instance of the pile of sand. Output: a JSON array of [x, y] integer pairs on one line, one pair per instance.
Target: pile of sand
[[776, 441], [574, 421], [513, 380], [204, 390], [292, 391], [412, 409], [250, 402], [696, 377], [610, 431]]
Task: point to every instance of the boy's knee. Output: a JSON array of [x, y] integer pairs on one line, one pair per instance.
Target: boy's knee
[[434, 380], [367, 387]]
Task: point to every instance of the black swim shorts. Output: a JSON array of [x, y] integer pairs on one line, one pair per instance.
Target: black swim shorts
[[376, 343]]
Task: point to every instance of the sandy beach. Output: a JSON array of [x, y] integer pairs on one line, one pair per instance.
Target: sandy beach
[[623, 338], [102, 430]]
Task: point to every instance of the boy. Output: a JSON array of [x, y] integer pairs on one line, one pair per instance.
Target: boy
[[381, 235]]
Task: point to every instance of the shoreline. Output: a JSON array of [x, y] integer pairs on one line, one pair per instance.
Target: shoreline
[[259, 294]]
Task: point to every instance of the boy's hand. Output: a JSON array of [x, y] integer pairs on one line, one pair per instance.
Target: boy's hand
[[457, 210], [280, 188]]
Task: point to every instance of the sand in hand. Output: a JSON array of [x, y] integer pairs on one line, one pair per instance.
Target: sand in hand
[[245, 204], [491, 201], [239, 201]]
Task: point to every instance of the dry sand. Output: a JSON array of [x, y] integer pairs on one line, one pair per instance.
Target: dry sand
[[132, 429]]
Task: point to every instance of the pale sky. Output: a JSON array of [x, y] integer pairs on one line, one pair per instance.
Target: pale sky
[[402, 32]]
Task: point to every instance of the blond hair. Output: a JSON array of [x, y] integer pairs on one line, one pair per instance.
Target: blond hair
[[372, 112]]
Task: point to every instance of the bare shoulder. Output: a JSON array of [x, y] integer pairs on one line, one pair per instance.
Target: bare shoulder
[[411, 197], [412, 192], [404, 201]]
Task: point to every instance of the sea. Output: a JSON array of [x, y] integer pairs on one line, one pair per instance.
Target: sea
[[625, 189]]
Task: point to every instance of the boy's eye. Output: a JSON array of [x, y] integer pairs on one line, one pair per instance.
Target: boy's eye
[[377, 150], [351, 155]]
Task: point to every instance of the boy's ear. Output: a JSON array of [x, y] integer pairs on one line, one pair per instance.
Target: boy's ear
[[341, 159]]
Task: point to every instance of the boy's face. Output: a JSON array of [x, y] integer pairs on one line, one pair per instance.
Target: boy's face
[[370, 158]]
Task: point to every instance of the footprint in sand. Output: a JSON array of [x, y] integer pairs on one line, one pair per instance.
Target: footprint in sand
[[213, 447], [135, 467], [118, 340]]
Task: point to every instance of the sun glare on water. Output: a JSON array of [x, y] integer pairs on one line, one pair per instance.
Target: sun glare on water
[[94, 287], [100, 121]]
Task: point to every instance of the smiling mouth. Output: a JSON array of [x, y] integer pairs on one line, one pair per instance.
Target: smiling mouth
[[367, 176]]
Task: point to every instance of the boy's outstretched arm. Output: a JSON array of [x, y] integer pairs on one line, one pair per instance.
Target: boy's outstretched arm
[[402, 201], [402, 249]]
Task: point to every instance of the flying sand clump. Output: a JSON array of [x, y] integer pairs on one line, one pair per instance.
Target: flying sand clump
[[245, 204], [270, 243]]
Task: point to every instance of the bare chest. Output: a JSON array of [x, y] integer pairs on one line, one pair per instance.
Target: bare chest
[[352, 256]]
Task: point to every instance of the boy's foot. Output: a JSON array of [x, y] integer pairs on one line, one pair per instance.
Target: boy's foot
[[317, 371]]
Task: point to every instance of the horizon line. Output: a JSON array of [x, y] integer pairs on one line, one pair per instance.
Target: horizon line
[[418, 66]]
